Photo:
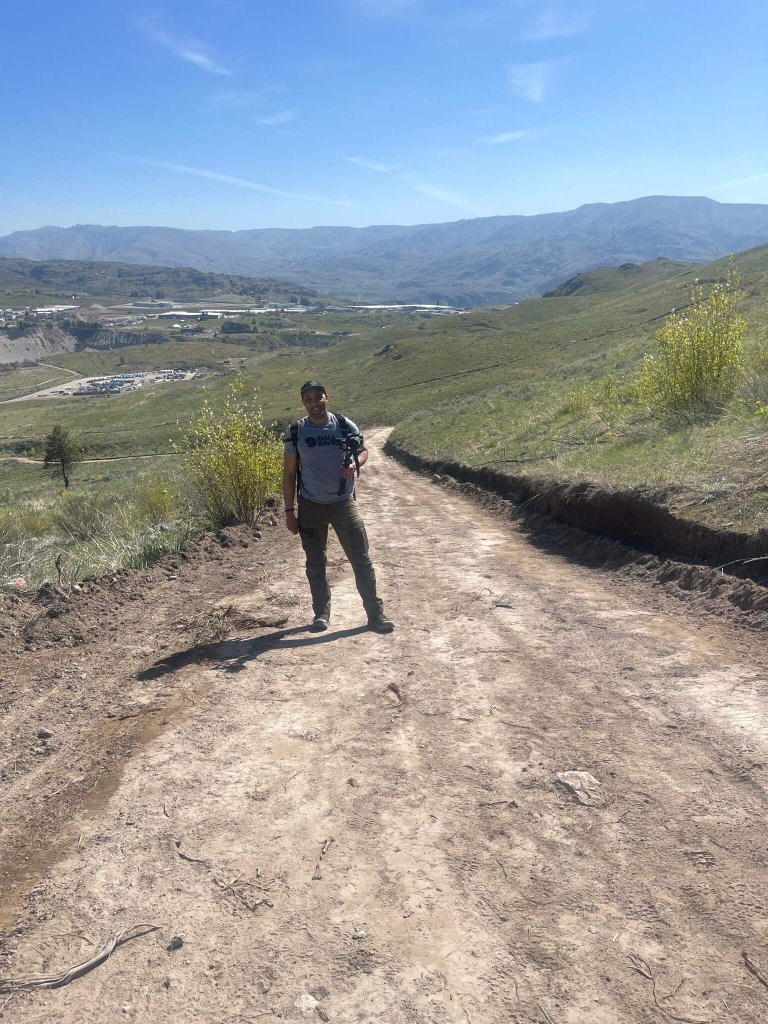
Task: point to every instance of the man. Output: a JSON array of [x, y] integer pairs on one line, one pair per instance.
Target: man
[[318, 453]]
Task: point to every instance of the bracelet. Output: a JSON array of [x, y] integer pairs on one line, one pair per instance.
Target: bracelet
[[289, 510]]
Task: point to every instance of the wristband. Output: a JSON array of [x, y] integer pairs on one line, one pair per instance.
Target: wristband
[[290, 510]]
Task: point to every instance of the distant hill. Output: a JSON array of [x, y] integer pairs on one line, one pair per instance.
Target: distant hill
[[123, 280], [619, 279], [468, 262]]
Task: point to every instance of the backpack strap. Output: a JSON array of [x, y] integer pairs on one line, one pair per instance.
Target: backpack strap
[[343, 423], [293, 432]]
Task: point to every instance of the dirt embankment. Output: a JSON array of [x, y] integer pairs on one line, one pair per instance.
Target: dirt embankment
[[105, 338], [36, 343], [625, 516], [49, 340]]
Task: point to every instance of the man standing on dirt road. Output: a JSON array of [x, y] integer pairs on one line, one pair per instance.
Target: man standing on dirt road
[[319, 454]]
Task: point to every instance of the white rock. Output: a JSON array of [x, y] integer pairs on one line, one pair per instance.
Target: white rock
[[306, 1004]]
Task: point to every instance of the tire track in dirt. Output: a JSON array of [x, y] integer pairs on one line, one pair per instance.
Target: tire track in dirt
[[459, 881]]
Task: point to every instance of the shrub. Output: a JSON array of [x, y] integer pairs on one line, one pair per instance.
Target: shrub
[[699, 353], [580, 400], [233, 459], [155, 501]]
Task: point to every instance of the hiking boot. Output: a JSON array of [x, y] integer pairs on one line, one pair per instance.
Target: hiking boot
[[380, 623], [319, 623]]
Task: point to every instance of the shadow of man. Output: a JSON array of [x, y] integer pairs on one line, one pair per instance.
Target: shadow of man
[[235, 654]]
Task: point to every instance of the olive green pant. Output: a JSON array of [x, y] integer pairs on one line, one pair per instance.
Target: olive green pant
[[343, 516]]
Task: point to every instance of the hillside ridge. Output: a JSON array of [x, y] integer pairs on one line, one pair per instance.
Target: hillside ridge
[[486, 260]]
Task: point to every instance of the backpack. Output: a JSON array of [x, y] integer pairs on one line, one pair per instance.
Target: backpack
[[351, 451]]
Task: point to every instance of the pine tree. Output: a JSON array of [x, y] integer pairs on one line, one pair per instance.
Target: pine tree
[[61, 452]]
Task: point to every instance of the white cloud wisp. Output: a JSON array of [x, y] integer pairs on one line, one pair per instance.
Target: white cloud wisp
[[554, 24], [739, 181], [371, 165], [190, 50], [530, 81], [443, 195], [502, 137], [227, 179]]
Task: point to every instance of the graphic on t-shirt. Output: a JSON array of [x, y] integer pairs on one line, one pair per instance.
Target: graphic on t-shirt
[[320, 460]]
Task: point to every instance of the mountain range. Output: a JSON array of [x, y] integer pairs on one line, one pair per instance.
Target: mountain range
[[488, 260]]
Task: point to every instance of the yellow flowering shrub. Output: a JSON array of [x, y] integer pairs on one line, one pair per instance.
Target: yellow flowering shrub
[[699, 357], [232, 458]]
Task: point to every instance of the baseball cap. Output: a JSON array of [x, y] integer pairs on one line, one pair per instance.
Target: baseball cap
[[312, 385]]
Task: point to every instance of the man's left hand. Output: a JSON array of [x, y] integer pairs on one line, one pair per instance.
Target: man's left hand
[[347, 472]]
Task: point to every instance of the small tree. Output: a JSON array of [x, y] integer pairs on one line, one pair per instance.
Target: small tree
[[61, 452], [699, 352], [233, 459]]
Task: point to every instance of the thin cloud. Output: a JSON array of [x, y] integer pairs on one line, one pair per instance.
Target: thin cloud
[[371, 165], [502, 137], [740, 181], [553, 24], [279, 117], [530, 81], [423, 187], [443, 195], [200, 172], [190, 50]]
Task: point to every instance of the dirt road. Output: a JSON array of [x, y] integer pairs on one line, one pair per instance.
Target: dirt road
[[88, 462], [358, 828]]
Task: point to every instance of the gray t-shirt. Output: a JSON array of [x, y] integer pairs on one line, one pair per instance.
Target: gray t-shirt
[[321, 459]]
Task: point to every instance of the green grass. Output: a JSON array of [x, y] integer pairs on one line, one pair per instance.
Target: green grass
[[15, 383], [21, 481], [175, 353], [495, 386], [127, 522]]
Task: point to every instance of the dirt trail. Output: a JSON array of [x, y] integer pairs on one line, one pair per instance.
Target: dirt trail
[[88, 462], [358, 828]]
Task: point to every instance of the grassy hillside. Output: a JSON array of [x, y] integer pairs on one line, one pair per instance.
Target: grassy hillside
[[537, 388], [28, 282], [534, 388]]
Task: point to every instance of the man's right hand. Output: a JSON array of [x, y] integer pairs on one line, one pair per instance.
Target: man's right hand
[[292, 522]]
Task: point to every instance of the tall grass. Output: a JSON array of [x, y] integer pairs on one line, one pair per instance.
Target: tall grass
[[89, 532]]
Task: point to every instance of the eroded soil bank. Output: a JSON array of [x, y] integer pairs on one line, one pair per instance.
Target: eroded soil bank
[[356, 828], [626, 516]]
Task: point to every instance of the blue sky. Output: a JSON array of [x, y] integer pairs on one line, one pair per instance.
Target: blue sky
[[237, 114]]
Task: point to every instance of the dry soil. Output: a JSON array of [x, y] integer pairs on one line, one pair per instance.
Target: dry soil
[[353, 827]]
